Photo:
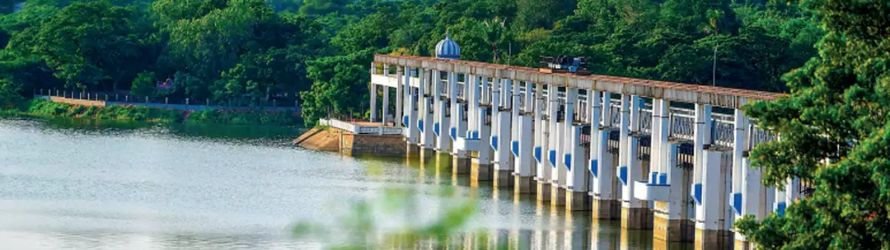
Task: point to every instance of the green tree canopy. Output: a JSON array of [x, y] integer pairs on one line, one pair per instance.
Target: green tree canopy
[[835, 134], [86, 44]]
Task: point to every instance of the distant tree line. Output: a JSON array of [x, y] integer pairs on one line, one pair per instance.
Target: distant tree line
[[756, 42], [241, 52], [251, 51]]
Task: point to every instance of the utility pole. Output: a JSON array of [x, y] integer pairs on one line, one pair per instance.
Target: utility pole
[[714, 66]]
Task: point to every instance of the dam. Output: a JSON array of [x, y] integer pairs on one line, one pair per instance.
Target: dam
[[666, 156]]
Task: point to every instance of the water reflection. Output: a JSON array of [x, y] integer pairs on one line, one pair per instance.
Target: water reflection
[[186, 188], [525, 222]]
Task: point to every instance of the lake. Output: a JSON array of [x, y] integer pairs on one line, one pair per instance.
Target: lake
[[74, 185]]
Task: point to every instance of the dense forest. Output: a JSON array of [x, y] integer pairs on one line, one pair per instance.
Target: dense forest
[[249, 52]]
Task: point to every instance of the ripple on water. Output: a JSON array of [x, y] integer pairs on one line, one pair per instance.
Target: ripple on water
[[88, 186]]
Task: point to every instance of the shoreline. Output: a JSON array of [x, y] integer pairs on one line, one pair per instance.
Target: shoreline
[[45, 109]]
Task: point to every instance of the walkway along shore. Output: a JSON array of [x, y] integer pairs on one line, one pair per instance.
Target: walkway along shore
[[96, 101]]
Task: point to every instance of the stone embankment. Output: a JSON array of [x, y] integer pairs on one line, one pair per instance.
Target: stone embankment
[[341, 141]]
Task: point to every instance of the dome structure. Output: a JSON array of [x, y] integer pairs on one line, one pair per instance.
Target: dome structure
[[447, 49]]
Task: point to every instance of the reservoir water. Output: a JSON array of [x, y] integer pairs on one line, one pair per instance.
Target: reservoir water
[[68, 185]]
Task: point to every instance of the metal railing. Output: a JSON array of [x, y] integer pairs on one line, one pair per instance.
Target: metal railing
[[757, 136], [682, 126], [112, 99], [646, 121], [615, 113], [723, 129]]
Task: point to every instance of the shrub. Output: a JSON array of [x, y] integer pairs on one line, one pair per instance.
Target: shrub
[[9, 94]]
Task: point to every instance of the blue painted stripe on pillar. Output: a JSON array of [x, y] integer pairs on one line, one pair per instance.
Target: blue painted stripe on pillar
[[472, 135], [405, 121], [436, 128], [515, 148], [420, 125], [552, 157], [494, 142], [736, 203], [538, 154], [453, 133], [622, 175], [594, 168], [780, 208], [696, 193]]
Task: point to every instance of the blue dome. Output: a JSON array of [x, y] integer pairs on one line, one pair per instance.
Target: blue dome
[[447, 49]]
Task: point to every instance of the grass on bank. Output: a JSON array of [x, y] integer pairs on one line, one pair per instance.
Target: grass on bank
[[47, 109]]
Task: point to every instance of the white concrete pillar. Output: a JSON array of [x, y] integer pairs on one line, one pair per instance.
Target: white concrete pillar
[[483, 130], [655, 146], [678, 199], [436, 99], [604, 173], [702, 136], [556, 144], [739, 178], [552, 132], [413, 100], [786, 195], [459, 116], [754, 198], [544, 143], [568, 128], [400, 96], [502, 138], [577, 184], [575, 167], [710, 211], [373, 102], [473, 108], [594, 100], [443, 121], [709, 188], [662, 159], [630, 115], [512, 102], [523, 155], [530, 96], [665, 153], [624, 145], [385, 118], [502, 132], [522, 146], [424, 125], [748, 194], [541, 137], [670, 219]]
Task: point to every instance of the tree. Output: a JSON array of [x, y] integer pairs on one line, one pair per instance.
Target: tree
[[494, 33], [531, 14], [9, 94], [209, 44], [285, 5], [86, 44], [235, 50], [371, 32], [323, 7], [7, 6], [144, 84], [339, 85], [835, 134]]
